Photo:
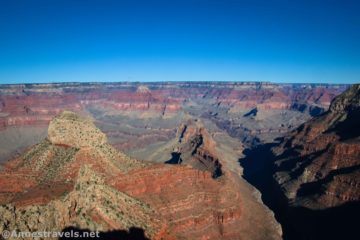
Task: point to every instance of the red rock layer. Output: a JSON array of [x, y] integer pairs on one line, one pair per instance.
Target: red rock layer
[[195, 205], [38, 108]]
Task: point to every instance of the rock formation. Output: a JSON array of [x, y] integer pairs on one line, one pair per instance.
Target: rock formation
[[74, 178], [196, 147], [70, 129]]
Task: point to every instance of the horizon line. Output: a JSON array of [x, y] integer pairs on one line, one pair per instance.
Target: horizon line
[[175, 81]]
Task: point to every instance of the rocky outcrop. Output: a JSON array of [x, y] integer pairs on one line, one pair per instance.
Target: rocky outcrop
[[87, 184], [69, 129], [318, 164], [196, 147]]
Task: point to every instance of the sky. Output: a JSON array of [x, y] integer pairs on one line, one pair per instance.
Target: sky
[[302, 41]]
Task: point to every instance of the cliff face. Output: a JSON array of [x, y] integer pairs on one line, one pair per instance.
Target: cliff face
[[75, 178], [318, 164], [37, 104]]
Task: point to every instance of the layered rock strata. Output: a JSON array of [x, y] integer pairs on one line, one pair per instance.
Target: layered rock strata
[[74, 178]]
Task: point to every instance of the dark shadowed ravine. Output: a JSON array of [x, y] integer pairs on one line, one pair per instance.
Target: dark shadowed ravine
[[298, 223]]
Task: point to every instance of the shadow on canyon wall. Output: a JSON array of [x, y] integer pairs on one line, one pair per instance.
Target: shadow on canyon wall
[[216, 168], [298, 223], [175, 158], [134, 233]]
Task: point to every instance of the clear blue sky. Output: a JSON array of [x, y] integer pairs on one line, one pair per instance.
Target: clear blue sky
[[180, 40]]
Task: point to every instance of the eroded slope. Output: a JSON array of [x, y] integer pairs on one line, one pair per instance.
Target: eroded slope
[[318, 165]]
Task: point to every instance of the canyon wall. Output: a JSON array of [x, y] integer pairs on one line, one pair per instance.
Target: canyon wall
[[30, 104]]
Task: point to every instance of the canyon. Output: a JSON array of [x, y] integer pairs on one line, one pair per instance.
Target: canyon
[[75, 178], [180, 160]]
